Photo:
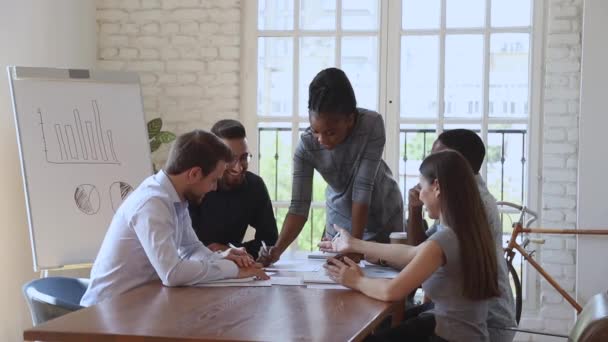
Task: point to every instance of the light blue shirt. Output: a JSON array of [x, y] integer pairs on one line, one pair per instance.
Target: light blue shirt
[[150, 238]]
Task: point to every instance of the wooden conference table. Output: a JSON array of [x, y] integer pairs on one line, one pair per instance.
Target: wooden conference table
[[156, 313]]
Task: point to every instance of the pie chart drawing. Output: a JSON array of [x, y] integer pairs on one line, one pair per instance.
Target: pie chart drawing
[[87, 198], [119, 191]]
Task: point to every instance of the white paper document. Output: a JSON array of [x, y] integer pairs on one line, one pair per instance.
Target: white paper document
[[316, 277], [287, 281], [327, 287]]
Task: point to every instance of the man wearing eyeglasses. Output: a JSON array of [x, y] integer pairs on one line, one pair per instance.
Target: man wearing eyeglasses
[[241, 200]]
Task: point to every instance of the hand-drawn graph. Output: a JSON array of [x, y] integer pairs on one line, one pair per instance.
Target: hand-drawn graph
[[77, 142], [87, 199], [119, 191]]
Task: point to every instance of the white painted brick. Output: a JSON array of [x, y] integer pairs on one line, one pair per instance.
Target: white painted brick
[[149, 54], [129, 28], [562, 66], [553, 269], [231, 28], [556, 311], [559, 202], [555, 134], [127, 53], [553, 215], [556, 107], [209, 28], [150, 103], [149, 4], [223, 66], [189, 27], [111, 65], [151, 28], [223, 91], [562, 25], [223, 40], [107, 53], [556, 53], [558, 224], [209, 52], [522, 337], [150, 91], [172, 4], [169, 54], [112, 15], [111, 4], [114, 40], [227, 78], [183, 40], [573, 107], [563, 12], [552, 298], [558, 257], [562, 93], [571, 216], [571, 189], [224, 3], [554, 161], [572, 163], [532, 323], [184, 91], [186, 78], [230, 52], [168, 28], [146, 65], [559, 175], [565, 121], [569, 271], [185, 65], [571, 244], [110, 28], [189, 14], [563, 39], [553, 243], [130, 4], [552, 188], [189, 52], [146, 15], [147, 78], [557, 80], [559, 148], [167, 78], [152, 41]]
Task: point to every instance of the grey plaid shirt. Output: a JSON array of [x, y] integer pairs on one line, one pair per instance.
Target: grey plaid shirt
[[354, 172]]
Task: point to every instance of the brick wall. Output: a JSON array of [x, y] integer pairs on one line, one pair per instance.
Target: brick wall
[[187, 53], [559, 158]]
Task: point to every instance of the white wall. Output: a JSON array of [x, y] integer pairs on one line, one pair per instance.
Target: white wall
[[58, 33], [592, 271]]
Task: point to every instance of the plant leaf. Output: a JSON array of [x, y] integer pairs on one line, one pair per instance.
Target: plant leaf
[[154, 127], [165, 137], [154, 144]]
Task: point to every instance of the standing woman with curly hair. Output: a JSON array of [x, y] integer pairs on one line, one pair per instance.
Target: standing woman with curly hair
[[345, 145]]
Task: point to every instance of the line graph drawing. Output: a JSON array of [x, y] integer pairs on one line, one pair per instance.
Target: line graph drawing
[[78, 142]]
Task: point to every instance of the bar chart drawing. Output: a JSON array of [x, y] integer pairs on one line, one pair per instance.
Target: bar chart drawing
[[78, 142]]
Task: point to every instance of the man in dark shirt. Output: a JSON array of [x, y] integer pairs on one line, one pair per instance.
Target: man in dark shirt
[[241, 200]]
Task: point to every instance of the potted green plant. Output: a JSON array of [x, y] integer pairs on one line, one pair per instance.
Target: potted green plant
[[157, 137]]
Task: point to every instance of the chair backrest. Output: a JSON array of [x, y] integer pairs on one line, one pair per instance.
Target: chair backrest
[[52, 297], [592, 323]]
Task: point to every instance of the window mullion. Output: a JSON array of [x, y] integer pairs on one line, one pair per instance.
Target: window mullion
[[441, 82], [486, 83]]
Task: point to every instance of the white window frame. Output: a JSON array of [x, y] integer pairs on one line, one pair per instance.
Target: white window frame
[[390, 29]]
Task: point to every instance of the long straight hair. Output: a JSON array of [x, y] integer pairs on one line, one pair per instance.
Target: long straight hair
[[462, 210]]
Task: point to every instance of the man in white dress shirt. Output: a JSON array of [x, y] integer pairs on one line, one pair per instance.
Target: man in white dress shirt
[[151, 235]]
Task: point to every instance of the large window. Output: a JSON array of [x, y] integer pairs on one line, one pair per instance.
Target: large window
[[426, 66]]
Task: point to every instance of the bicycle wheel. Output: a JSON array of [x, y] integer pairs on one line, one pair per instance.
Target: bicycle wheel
[[518, 295]]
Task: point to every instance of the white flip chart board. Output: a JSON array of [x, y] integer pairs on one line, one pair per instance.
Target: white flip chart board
[[83, 147]]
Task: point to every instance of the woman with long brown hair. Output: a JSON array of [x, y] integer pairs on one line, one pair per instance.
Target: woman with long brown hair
[[456, 266]]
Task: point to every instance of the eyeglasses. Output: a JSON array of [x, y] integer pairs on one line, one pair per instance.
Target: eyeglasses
[[244, 159]]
